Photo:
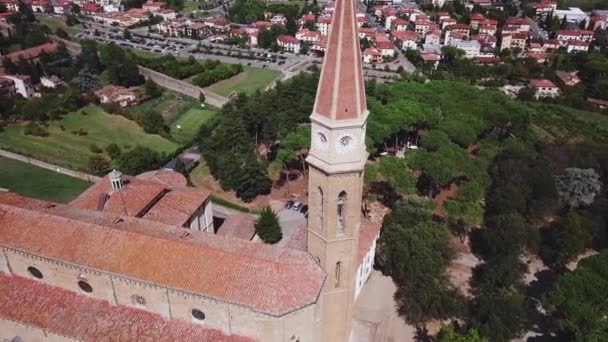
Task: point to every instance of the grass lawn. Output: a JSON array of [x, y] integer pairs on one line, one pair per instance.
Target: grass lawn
[[189, 123], [248, 81], [560, 122], [33, 181], [55, 23], [64, 148], [169, 105]]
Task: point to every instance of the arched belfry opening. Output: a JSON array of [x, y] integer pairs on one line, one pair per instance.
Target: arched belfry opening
[[341, 209], [320, 209], [338, 274]]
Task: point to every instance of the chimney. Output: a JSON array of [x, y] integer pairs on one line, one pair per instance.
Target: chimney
[[116, 180]]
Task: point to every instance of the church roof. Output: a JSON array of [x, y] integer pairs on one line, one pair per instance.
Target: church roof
[[267, 279], [72, 315], [155, 195], [341, 91]]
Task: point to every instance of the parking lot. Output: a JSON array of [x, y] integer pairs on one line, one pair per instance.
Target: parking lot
[[136, 42]]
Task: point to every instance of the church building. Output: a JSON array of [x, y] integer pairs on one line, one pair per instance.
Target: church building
[[133, 258]]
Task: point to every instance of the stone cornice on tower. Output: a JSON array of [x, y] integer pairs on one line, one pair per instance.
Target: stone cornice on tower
[[341, 91]]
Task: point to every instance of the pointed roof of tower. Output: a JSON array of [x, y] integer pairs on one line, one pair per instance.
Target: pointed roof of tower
[[341, 91]]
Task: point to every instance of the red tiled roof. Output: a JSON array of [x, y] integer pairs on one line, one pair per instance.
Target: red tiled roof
[[368, 233], [459, 27], [133, 199], [575, 33], [430, 57], [405, 35], [165, 176], [385, 45], [72, 315], [477, 16], [342, 73], [544, 83], [399, 21], [371, 52], [240, 226], [288, 39], [260, 24], [177, 206], [32, 52], [11, 198], [91, 7], [266, 279]]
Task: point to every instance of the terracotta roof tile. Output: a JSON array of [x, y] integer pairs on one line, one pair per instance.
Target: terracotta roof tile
[[368, 233], [177, 206], [17, 200], [240, 226], [133, 199], [542, 83], [165, 176], [264, 278], [69, 314], [341, 91], [32, 52]]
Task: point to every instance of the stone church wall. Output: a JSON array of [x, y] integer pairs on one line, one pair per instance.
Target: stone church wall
[[11, 329], [170, 303]]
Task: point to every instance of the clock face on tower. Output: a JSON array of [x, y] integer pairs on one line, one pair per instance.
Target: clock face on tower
[[346, 143]]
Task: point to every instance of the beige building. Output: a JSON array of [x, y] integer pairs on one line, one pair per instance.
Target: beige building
[[124, 261]]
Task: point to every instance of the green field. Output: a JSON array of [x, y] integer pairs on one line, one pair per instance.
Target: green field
[[189, 123], [65, 148], [169, 105], [55, 23], [36, 182], [559, 122], [248, 81]]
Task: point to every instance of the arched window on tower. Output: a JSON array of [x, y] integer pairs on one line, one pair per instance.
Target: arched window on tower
[[341, 213], [338, 271], [320, 209]]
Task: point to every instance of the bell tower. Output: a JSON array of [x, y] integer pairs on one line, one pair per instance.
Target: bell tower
[[336, 162]]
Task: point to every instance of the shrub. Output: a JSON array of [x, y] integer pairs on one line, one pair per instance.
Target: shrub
[[267, 226], [99, 165], [95, 149], [34, 129], [113, 151]]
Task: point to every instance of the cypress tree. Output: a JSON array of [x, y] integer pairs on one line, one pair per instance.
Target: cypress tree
[[267, 226]]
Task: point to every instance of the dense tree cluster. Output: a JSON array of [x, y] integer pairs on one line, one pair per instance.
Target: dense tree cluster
[[229, 145], [249, 11], [579, 301], [217, 73], [120, 68], [413, 249]]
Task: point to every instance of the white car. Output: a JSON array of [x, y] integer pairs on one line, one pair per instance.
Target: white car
[[297, 206]]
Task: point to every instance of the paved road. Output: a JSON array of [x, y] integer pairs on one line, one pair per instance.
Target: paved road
[[375, 318], [291, 222]]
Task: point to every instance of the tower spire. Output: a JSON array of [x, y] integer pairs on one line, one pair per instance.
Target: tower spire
[[341, 91], [336, 163]]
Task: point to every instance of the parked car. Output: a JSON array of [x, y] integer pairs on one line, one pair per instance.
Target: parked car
[[304, 209], [289, 204], [297, 206]]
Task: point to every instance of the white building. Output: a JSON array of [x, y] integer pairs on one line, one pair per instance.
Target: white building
[[470, 47], [544, 88], [572, 14], [23, 85], [368, 234]]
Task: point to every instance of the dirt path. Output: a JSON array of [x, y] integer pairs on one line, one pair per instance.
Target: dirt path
[[444, 195]]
